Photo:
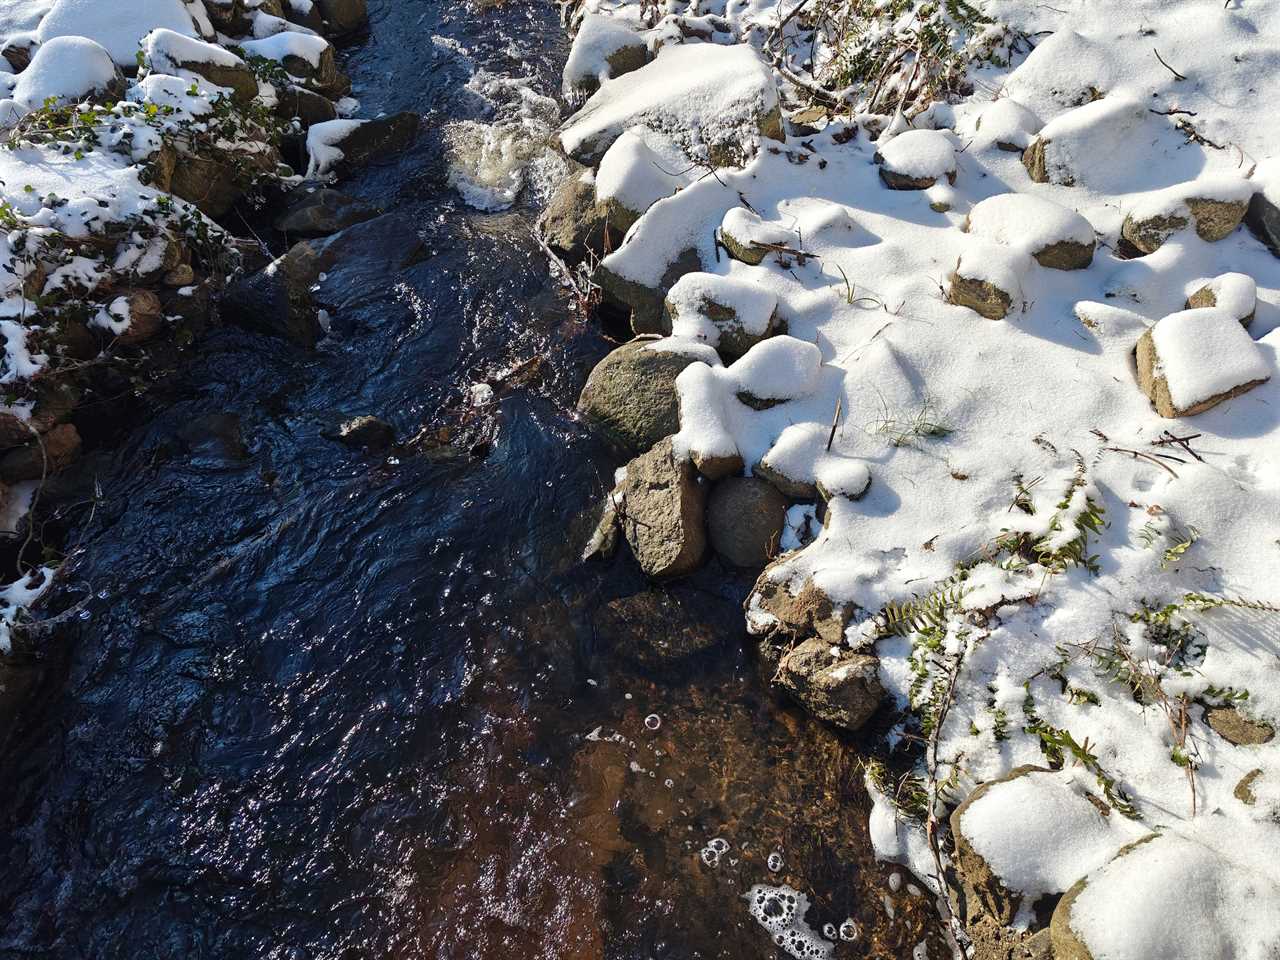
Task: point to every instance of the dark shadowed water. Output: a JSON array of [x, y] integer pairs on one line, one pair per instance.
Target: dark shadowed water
[[329, 705]]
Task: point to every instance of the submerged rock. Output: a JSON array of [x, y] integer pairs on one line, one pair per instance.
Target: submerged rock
[[843, 689], [631, 394], [342, 18], [663, 512], [368, 433], [745, 517], [322, 212], [659, 627]]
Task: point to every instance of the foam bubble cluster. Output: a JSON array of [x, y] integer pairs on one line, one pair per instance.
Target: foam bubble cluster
[[781, 910]]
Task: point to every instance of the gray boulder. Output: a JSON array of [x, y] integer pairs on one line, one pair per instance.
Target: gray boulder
[[631, 394], [663, 512], [342, 18], [574, 224], [745, 517]]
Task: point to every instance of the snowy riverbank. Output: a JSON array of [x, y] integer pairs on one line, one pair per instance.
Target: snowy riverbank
[[134, 138], [1003, 318]]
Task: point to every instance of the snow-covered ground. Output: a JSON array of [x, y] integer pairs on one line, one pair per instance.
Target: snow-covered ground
[[1094, 527]]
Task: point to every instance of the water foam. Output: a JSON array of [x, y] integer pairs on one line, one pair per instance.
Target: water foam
[[781, 910], [492, 162]]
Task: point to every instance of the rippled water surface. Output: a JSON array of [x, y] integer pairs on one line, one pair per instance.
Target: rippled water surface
[[334, 706]]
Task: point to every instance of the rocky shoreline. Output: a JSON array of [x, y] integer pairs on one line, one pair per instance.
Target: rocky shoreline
[[122, 249]]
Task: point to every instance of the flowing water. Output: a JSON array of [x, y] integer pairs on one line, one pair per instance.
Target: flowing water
[[328, 705]]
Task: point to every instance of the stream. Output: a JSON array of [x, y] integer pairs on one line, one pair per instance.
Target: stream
[[323, 704]]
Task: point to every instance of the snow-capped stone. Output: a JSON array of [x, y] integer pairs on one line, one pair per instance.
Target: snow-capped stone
[[728, 313], [1236, 293], [604, 48], [119, 28], [1193, 360], [749, 238], [66, 70], [1071, 146], [1007, 125], [988, 279], [1055, 236], [917, 159], [715, 100], [1215, 205]]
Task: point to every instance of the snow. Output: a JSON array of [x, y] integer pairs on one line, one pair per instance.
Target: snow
[[119, 28], [1206, 352], [304, 46], [1178, 897], [1040, 833], [951, 413], [699, 93], [921, 154], [599, 37], [66, 69], [641, 168], [1027, 223]]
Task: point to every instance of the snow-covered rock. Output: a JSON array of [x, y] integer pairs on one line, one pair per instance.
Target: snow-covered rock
[[1055, 236], [119, 28], [641, 168], [1080, 145], [1007, 125], [603, 48], [65, 70], [917, 159], [1193, 360], [1210, 888], [749, 238], [728, 313], [1236, 293], [988, 279], [1215, 205], [717, 101]]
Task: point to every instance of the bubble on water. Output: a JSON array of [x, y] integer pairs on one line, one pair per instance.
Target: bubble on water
[[895, 881], [781, 911], [829, 931], [718, 844], [653, 721], [848, 930], [668, 783], [710, 857], [774, 862]]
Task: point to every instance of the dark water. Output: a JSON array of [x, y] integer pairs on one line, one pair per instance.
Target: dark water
[[327, 705]]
